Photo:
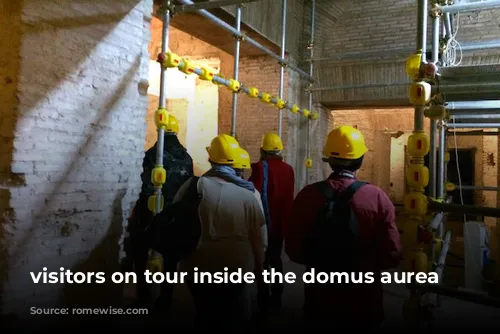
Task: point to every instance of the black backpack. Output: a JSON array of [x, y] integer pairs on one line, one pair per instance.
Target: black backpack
[[334, 242], [176, 230]]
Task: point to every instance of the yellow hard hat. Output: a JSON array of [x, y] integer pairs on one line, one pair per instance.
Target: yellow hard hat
[[223, 150], [271, 142], [242, 159], [345, 142], [172, 124]]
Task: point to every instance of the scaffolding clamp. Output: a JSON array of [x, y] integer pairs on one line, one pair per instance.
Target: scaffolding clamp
[[167, 6], [283, 64], [253, 92], [234, 85], [241, 37], [314, 116], [436, 112], [295, 109]]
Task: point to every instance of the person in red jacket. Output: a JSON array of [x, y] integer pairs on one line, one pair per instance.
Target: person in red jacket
[[373, 246], [275, 180]]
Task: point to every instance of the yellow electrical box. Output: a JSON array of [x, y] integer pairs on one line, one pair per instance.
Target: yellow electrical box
[[158, 176], [416, 261], [280, 104], [253, 92], [309, 163], [446, 157], [314, 116], [306, 112], [413, 65], [295, 109], [419, 93], [207, 74], [234, 85], [450, 186], [186, 66], [418, 144], [152, 204], [415, 203], [436, 112], [266, 98], [417, 177], [161, 118]]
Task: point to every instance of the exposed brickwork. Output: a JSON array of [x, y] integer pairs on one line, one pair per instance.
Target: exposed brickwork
[[79, 142]]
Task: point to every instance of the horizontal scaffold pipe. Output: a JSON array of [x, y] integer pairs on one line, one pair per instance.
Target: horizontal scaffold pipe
[[249, 40], [473, 125], [476, 116], [483, 188], [209, 5], [473, 133], [401, 53], [473, 105], [469, 6], [171, 60], [461, 294], [465, 209]]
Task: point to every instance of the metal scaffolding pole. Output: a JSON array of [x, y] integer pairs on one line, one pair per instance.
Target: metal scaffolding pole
[[236, 70], [447, 25], [209, 5], [465, 209], [311, 73], [476, 116], [402, 53], [470, 7], [473, 125], [441, 173], [489, 87], [483, 188], [380, 85], [473, 133], [473, 105], [433, 123], [282, 66], [248, 39], [162, 103], [442, 256]]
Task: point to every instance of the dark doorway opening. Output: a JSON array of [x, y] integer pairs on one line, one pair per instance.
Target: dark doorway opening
[[466, 163]]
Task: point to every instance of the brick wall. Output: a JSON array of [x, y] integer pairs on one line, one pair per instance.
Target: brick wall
[[78, 143], [386, 133], [380, 25]]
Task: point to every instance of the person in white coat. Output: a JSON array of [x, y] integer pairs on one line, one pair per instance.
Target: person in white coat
[[233, 237]]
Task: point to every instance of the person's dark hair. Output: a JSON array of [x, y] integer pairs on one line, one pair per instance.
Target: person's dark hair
[[264, 154], [346, 164]]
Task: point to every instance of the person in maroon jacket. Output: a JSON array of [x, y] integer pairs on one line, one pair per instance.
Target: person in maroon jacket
[[375, 247], [275, 180]]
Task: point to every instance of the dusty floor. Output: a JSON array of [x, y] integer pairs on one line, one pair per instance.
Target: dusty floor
[[454, 315]]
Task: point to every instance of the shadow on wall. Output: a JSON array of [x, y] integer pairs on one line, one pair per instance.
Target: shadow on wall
[[83, 150], [10, 39], [102, 258]]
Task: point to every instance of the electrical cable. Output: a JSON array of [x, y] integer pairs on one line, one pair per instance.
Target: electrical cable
[[467, 235], [452, 45]]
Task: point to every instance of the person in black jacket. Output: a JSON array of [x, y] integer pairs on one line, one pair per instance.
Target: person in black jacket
[[179, 166]]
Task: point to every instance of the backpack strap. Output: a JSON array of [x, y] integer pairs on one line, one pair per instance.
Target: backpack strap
[[263, 195], [349, 192]]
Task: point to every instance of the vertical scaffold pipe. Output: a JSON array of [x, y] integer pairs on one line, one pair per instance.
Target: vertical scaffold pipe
[[162, 103], [433, 123], [236, 71], [441, 172], [282, 69], [310, 95]]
